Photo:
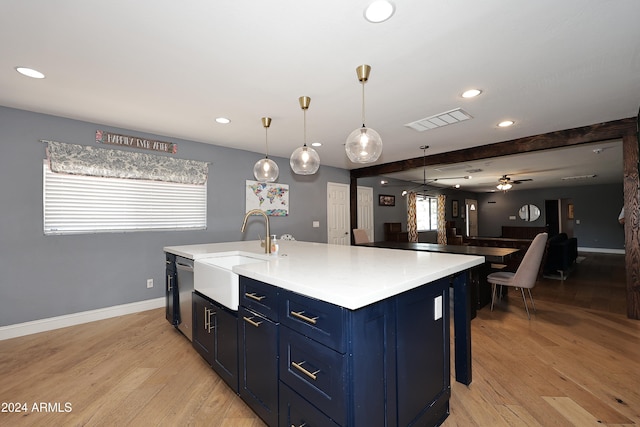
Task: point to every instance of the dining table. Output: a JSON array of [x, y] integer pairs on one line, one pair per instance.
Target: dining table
[[469, 294]]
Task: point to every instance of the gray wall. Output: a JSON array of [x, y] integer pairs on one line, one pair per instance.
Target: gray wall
[[46, 276], [398, 213], [596, 207]]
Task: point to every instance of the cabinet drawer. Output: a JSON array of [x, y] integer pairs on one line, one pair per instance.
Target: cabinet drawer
[[260, 297], [170, 261], [322, 321], [316, 372], [295, 411]]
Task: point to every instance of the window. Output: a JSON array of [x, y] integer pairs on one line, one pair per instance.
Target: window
[[426, 213], [90, 204]]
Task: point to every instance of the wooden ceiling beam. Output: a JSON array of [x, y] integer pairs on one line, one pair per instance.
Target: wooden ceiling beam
[[565, 138]]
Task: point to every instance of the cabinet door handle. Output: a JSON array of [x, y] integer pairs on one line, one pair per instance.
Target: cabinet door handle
[[301, 425], [208, 312], [251, 321], [299, 367], [300, 315], [169, 285], [255, 297]]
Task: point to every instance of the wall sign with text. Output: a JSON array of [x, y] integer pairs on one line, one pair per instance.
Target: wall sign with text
[[135, 142]]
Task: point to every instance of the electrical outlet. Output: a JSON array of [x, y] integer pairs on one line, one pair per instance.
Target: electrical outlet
[[149, 283]]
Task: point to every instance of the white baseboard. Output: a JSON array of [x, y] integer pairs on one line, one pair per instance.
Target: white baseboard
[[43, 325], [601, 250]]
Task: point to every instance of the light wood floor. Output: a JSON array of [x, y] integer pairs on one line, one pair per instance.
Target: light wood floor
[[577, 362]]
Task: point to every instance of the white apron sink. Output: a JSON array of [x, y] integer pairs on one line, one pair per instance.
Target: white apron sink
[[214, 278]]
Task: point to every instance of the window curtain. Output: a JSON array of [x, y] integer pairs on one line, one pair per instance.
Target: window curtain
[[412, 223], [109, 163], [442, 224]]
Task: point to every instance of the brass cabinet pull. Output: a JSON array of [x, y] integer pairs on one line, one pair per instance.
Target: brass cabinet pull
[[253, 296], [298, 366], [301, 316], [251, 321]]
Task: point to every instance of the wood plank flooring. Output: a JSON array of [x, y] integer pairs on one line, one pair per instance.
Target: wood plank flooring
[[576, 363]]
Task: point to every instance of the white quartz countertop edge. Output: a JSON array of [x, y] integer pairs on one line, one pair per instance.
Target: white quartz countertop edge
[[348, 276]]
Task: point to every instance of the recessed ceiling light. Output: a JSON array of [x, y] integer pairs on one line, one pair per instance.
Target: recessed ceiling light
[[379, 11], [30, 72], [316, 144], [471, 93], [222, 120], [506, 123]]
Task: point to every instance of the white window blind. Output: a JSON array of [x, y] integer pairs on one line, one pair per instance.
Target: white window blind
[[88, 204]]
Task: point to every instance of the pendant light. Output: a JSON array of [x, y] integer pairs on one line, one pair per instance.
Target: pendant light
[[304, 160], [364, 144], [266, 170]]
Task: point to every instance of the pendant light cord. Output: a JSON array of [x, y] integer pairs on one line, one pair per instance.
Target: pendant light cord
[[266, 142], [304, 114], [363, 121]]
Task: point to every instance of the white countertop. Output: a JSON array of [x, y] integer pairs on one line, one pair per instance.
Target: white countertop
[[348, 276]]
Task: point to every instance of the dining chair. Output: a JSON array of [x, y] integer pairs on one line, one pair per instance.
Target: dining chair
[[526, 274], [360, 236]]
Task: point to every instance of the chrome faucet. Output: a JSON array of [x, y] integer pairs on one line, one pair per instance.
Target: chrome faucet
[[267, 241]]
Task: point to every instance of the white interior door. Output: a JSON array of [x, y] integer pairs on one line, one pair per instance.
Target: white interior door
[[471, 211], [338, 214], [365, 211]]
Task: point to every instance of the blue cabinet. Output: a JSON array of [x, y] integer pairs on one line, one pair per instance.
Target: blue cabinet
[[386, 364], [258, 348], [215, 337], [171, 290]]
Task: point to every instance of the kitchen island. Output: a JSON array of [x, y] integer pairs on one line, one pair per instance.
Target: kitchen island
[[359, 336]]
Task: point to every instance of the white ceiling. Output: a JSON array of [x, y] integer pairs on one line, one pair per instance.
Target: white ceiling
[[587, 164], [170, 68]]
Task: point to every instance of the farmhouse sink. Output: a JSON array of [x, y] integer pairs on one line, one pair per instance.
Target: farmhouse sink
[[214, 278]]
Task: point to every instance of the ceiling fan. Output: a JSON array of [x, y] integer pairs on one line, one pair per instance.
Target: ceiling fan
[[504, 183], [423, 184]]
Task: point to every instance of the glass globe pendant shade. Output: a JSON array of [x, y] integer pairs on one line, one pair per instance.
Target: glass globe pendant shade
[[266, 170], [304, 161], [363, 145]]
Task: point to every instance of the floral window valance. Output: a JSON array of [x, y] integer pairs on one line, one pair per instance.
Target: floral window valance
[[94, 161]]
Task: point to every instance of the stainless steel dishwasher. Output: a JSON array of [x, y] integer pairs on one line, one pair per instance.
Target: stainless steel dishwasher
[[184, 266]]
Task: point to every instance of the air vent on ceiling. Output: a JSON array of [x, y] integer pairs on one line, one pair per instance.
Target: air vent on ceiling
[[566, 178], [443, 119], [453, 167]]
